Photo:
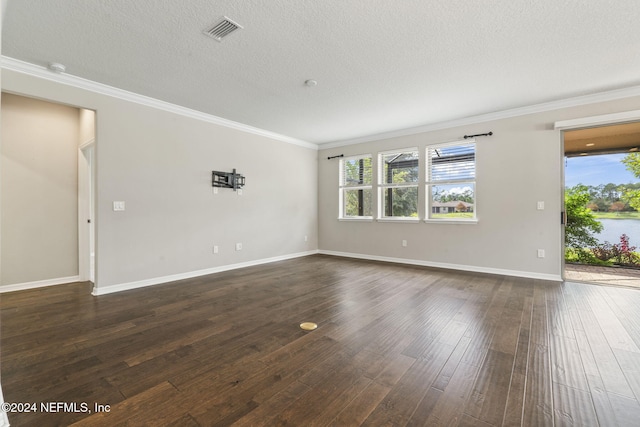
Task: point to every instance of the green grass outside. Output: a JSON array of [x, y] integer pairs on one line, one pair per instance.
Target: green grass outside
[[616, 215], [571, 256], [453, 215]]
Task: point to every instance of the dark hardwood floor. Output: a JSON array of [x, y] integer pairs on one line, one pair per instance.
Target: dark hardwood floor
[[396, 345]]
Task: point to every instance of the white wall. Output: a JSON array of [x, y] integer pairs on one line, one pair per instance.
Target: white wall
[[521, 164], [4, 421], [39, 191], [87, 126], [160, 164]]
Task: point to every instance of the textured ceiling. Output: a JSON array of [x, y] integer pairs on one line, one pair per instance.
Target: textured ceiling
[[381, 65]]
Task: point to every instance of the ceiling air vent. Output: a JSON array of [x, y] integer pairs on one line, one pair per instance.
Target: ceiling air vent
[[222, 29]]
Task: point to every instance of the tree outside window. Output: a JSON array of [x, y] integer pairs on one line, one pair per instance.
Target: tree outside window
[[356, 187], [398, 177]]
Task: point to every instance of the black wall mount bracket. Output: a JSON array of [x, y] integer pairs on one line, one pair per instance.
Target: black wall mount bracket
[[227, 179]]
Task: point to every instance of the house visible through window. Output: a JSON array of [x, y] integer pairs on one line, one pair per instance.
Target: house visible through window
[[451, 181], [356, 180], [398, 178]]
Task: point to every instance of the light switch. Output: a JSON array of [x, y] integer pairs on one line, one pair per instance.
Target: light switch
[[118, 206]]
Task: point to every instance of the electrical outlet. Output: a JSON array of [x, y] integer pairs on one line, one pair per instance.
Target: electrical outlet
[[215, 249], [215, 190], [540, 253], [540, 206], [306, 238], [404, 243], [118, 206], [239, 191], [238, 246]]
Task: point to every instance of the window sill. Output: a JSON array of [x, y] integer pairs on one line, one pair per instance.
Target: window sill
[[452, 221], [358, 219], [408, 220]]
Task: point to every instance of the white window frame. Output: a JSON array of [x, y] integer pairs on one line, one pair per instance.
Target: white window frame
[[349, 187], [383, 186], [430, 183]]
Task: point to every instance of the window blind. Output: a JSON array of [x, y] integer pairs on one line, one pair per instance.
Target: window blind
[[451, 163]]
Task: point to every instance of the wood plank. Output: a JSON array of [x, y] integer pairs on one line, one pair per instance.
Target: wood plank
[[627, 411], [517, 387], [335, 392], [610, 324], [361, 407], [468, 421], [490, 390], [425, 408], [612, 377], [625, 306], [264, 413], [505, 338], [449, 408], [482, 332], [630, 365], [396, 345], [572, 307], [153, 402], [403, 399], [538, 407], [599, 395], [573, 407], [559, 317], [452, 364], [566, 363], [395, 368]]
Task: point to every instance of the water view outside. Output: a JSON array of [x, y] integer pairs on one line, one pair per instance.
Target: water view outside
[[614, 228], [603, 190]]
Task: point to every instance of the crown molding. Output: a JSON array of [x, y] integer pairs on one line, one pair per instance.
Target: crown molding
[[16, 65], [8, 63], [577, 101]]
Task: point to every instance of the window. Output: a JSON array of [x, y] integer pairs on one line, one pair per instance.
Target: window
[[451, 181], [398, 177], [356, 187]]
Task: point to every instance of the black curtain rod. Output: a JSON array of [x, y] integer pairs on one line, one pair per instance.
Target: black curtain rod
[[465, 137], [479, 134]]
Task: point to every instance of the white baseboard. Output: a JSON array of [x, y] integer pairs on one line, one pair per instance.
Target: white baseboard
[[103, 290], [181, 276], [39, 284], [461, 267]]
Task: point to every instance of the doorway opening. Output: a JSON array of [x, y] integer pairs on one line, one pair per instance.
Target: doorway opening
[[86, 212], [601, 182], [48, 193]]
